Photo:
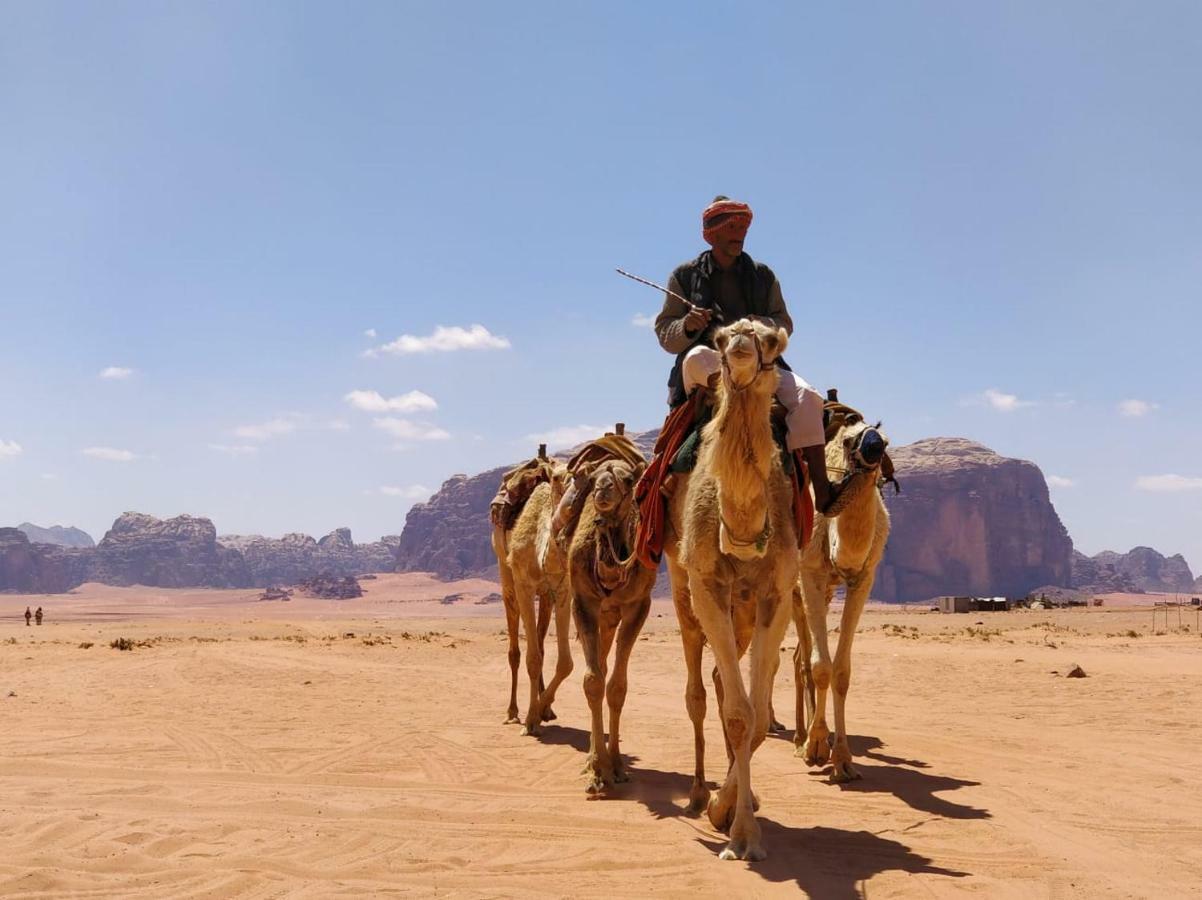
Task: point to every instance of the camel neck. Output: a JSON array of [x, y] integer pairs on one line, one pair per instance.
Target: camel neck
[[742, 453]]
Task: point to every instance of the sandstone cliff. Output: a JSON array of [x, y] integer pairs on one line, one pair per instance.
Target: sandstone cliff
[[295, 557], [30, 568], [1140, 569], [179, 552], [969, 521]]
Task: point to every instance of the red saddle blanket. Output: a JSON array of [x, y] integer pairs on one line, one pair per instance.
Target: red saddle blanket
[[653, 504]]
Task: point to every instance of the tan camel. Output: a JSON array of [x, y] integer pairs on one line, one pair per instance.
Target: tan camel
[[531, 564], [844, 550], [731, 545], [611, 595]]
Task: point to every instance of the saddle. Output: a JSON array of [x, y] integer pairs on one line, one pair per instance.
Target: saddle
[[516, 487], [581, 467]]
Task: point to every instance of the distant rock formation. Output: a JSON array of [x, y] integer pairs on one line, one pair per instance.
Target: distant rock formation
[[295, 557], [331, 587], [179, 552], [30, 568], [1139, 570], [59, 535], [969, 521]]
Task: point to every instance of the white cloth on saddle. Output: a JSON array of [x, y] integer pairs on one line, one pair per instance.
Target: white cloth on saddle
[[803, 404]]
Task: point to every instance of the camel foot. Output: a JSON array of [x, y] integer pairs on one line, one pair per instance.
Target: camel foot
[[746, 846], [549, 715], [531, 729], [621, 773], [512, 719], [818, 748], [842, 771], [721, 813], [699, 798], [775, 727]]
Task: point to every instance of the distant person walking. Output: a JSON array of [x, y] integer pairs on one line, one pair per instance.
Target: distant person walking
[[28, 616], [38, 615]]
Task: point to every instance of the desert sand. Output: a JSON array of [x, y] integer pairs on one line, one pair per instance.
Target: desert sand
[[355, 748]]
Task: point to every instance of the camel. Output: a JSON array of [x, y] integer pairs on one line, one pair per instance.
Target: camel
[[531, 564], [844, 550], [611, 596], [731, 545]]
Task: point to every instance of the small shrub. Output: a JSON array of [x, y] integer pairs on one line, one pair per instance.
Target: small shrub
[[122, 644], [86, 645]]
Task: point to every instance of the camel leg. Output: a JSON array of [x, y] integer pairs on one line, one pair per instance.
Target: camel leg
[[534, 660], [853, 606], [595, 643], [563, 659], [743, 622], [803, 681], [693, 639], [509, 596], [772, 621], [615, 692], [546, 601], [814, 591], [732, 807]]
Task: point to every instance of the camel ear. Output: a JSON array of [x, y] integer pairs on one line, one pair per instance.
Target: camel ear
[[775, 341], [721, 339]]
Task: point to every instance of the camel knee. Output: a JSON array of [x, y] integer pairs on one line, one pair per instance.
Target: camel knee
[[739, 723], [822, 675], [563, 666], [515, 658], [616, 692], [594, 688]]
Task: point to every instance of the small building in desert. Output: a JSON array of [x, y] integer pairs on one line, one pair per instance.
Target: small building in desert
[[955, 604]]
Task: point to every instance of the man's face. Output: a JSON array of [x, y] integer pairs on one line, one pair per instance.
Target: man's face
[[728, 240]]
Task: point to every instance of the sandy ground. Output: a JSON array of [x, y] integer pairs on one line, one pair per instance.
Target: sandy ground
[[355, 748]]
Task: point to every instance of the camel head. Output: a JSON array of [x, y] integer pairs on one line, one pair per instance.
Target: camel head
[[613, 488], [750, 347], [862, 445]]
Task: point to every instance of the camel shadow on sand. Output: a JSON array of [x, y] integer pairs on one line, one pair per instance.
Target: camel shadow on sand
[[821, 861]]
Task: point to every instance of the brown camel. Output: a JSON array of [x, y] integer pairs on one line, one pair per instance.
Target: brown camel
[[731, 545], [844, 550], [611, 595], [531, 564]]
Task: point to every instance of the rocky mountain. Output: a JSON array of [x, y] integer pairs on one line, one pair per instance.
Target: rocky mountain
[[1140, 569], [178, 552], [295, 557], [30, 568], [56, 534], [969, 521]]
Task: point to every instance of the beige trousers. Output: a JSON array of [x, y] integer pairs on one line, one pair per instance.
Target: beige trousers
[[802, 403]]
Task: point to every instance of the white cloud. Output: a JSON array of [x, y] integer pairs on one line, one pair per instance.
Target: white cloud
[[269, 429], [9, 449], [411, 492], [371, 333], [373, 401], [407, 430], [444, 340], [1004, 402], [116, 373], [567, 436], [641, 320], [1136, 408], [110, 454], [1059, 481], [234, 449], [1168, 484]]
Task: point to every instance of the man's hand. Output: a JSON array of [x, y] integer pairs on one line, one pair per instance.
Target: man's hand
[[696, 319]]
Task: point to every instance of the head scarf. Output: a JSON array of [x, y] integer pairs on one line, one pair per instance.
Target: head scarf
[[724, 219]]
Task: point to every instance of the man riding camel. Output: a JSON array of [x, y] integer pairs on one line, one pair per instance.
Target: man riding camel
[[724, 285]]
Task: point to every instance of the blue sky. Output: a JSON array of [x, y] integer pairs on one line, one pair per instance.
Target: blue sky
[[987, 221]]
